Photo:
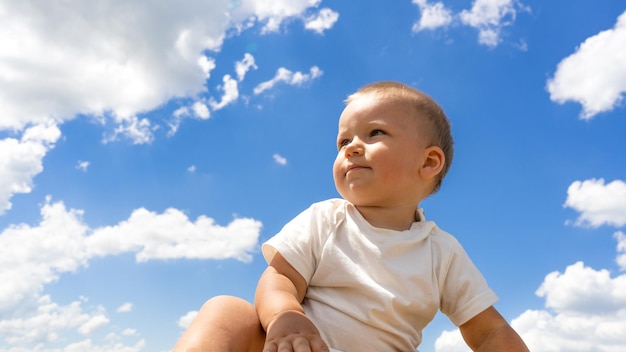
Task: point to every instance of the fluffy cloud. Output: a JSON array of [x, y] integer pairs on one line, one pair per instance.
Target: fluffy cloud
[[33, 256], [279, 159], [271, 12], [88, 345], [172, 235], [82, 165], [585, 311], [122, 59], [58, 62], [580, 289], [585, 307], [595, 74], [242, 67], [200, 110], [230, 93], [186, 319], [125, 308], [119, 61], [598, 203], [433, 15], [451, 341], [286, 76], [323, 20], [48, 319], [21, 160], [487, 16], [621, 250]]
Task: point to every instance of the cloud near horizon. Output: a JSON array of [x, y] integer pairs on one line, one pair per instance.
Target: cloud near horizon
[[63, 243], [585, 307]]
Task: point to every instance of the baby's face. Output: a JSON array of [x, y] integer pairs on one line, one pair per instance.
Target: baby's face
[[380, 153]]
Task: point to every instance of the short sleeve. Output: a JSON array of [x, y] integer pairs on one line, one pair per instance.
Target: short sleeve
[[300, 241], [465, 292]]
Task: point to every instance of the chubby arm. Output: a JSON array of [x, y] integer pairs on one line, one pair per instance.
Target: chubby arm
[[489, 331], [278, 298]]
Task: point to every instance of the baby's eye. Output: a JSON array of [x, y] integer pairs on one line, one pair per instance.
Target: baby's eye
[[343, 143], [376, 133]]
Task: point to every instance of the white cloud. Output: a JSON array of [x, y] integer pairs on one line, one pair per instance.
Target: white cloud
[[433, 15], [34, 256], [31, 257], [82, 165], [279, 159], [94, 323], [21, 160], [48, 320], [272, 12], [87, 345], [323, 20], [231, 93], [129, 332], [489, 16], [585, 311], [200, 110], [621, 250], [171, 235], [177, 117], [583, 290], [286, 76], [125, 308], [186, 319], [595, 75], [139, 131], [207, 65], [451, 341], [192, 168], [114, 64], [181, 112], [242, 67], [123, 60], [598, 204]]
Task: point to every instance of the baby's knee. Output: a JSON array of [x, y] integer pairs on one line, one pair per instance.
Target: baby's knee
[[229, 313], [224, 323], [228, 304]]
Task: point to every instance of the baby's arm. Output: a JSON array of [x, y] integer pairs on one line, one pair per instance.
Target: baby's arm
[[278, 300], [489, 331]]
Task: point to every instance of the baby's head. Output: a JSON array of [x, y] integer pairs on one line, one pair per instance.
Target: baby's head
[[402, 138], [425, 109]]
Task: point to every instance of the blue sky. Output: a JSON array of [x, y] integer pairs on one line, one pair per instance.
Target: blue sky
[[147, 149]]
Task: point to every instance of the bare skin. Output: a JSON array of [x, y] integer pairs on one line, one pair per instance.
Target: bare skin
[[224, 323]]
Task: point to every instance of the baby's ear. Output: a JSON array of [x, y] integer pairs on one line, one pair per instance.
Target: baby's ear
[[434, 159]]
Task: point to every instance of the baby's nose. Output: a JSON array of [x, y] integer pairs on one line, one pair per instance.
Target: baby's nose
[[354, 149]]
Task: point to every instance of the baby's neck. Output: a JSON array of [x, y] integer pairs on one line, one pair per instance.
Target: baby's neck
[[398, 218]]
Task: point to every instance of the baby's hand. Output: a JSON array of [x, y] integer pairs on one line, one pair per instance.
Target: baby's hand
[[293, 331]]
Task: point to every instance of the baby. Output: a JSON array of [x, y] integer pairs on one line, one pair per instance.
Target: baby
[[367, 272]]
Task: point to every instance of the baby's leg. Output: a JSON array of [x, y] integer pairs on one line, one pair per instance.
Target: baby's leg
[[224, 324]]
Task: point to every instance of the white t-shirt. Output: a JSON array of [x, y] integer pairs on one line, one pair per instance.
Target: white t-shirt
[[373, 289]]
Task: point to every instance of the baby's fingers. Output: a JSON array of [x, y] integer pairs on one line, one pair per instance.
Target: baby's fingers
[[317, 345], [297, 345]]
